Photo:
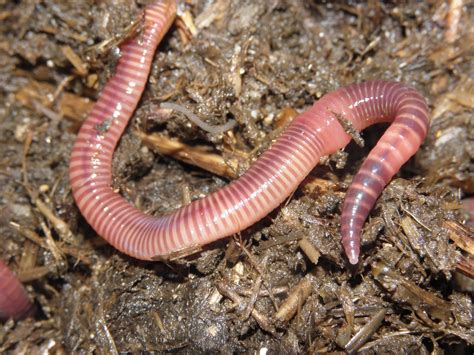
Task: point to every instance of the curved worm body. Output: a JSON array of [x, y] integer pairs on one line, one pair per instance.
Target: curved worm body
[[277, 172], [369, 103], [14, 301]]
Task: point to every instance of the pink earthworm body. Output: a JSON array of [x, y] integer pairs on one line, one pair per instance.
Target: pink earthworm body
[[314, 133], [278, 172], [468, 206], [129, 81], [14, 301]]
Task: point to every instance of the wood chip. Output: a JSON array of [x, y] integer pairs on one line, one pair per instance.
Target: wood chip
[[75, 60]]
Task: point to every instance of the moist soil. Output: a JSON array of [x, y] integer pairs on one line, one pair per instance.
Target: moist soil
[[284, 284]]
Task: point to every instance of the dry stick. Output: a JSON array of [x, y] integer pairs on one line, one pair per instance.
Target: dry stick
[[30, 234], [61, 87], [416, 219], [262, 293], [158, 321], [26, 148], [461, 235], [347, 303], [102, 328], [34, 273], [75, 60], [260, 271], [59, 225], [414, 295], [52, 247], [185, 25], [294, 301], [46, 111], [385, 337], [365, 332], [261, 319], [453, 20], [71, 106], [466, 266], [29, 255], [196, 156], [35, 238], [132, 30], [253, 297], [308, 248]]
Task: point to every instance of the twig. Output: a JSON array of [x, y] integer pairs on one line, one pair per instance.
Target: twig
[[308, 248], [59, 225], [365, 332], [261, 319], [294, 301]]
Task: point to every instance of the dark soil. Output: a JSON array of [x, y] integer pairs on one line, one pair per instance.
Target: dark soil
[[252, 61]]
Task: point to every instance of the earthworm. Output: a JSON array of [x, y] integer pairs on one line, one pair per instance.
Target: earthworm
[[275, 175], [197, 121], [468, 206], [14, 301]]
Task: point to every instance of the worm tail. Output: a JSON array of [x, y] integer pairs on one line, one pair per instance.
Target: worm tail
[[14, 301], [409, 112]]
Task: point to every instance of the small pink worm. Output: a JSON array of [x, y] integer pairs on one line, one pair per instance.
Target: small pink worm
[[468, 206], [315, 133], [14, 301]]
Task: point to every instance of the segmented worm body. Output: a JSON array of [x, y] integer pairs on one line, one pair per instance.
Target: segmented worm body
[[315, 133], [93, 149], [14, 301]]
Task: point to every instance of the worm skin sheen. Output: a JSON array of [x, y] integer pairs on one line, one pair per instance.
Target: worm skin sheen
[[374, 102], [278, 172], [14, 301]]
